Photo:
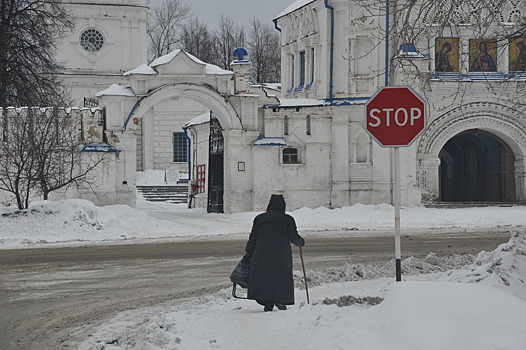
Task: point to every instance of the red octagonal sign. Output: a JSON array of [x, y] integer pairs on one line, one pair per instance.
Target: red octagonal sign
[[395, 116]]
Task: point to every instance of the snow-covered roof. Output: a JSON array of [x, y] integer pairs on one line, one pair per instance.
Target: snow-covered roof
[[309, 102], [200, 119], [99, 148], [293, 102], [270, 141], [293, 7], [142, 69], [209, 68], [116, 90]]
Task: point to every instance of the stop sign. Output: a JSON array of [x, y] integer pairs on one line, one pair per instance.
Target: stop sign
[[395, 116]]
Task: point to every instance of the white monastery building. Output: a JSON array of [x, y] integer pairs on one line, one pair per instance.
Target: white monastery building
[[239, 142]]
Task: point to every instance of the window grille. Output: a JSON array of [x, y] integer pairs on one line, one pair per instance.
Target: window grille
[[180, 147]]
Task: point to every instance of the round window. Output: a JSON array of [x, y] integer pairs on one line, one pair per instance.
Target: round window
[[91, 40]]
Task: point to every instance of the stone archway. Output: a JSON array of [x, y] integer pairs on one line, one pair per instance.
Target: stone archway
[[200, 93], [500, 122], [476, 166]]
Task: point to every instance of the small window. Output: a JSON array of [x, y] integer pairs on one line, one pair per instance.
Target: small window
[[290, 156], [180, 147], [302, 69], [307, 121], [292, 72], [285, 125], [312, 67]]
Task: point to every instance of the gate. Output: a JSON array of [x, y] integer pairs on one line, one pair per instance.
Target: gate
[[215, 161]]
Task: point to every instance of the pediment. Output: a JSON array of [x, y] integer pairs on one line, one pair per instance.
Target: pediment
[[178, 62]]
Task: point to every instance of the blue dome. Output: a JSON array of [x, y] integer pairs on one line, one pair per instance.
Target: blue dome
[[240, 53]]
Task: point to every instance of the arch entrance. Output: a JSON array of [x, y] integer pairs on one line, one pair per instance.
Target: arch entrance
[[221, 116], [475, 153], [477, 166]]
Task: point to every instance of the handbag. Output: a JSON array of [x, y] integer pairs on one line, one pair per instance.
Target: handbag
[[240, 274]]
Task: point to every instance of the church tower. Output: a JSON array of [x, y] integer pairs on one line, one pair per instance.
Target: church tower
[[109, 39]]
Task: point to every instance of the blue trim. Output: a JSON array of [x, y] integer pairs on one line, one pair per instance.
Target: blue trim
[[269, 141], [331, 57], [137, 104], [185, 130], [386, 73], [299, 88], [327, 102], [99, 148], [473, 76], [275, 20], [311, 68]]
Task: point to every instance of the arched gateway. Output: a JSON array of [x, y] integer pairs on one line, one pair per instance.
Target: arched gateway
[[474, 154], [146, 120], [201, 93]]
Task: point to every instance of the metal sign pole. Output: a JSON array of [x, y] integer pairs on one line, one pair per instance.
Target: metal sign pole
[[396, 199]]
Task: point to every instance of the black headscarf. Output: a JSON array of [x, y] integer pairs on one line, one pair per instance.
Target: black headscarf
[[277, 202]]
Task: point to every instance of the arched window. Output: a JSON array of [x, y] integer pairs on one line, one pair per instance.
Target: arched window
[[290, 156], [362, 149]]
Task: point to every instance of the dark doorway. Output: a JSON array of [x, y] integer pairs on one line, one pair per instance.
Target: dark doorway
[[477, 166], [215, 161]]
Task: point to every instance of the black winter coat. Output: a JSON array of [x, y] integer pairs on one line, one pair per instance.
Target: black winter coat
[[270, 276]]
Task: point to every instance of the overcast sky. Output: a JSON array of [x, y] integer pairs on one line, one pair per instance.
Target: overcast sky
[[209, 11]]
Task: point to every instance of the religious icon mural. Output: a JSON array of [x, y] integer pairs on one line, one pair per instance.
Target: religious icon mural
[[517, 55], [446, 55], [482, 55]]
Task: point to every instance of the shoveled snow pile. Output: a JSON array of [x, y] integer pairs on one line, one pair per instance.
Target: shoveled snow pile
[[503, 268], [410, 266], [479, 306]]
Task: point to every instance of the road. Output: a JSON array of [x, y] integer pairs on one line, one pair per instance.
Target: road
[[51, 298]]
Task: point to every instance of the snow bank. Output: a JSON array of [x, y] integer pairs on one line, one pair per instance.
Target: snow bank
[[73, 222], [503, 268], [69, 222], [423, 312], [359, 272], [433, 315]]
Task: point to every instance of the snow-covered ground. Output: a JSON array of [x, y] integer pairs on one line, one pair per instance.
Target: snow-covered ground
[[79, 222], [461, 304]]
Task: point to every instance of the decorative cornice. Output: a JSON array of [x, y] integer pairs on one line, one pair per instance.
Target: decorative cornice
[[477, 115]]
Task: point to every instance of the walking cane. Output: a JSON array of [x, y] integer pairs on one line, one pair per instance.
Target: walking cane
[[304, 276]]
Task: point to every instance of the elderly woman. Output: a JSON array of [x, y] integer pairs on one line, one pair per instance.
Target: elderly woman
[[271, 282]]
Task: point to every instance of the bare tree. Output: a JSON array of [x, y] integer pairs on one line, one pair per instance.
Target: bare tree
[[30, 30], [40, 153], [484, 22], [227, 36], [164, 22], [16, 161], [197, 40], [264, 52]]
